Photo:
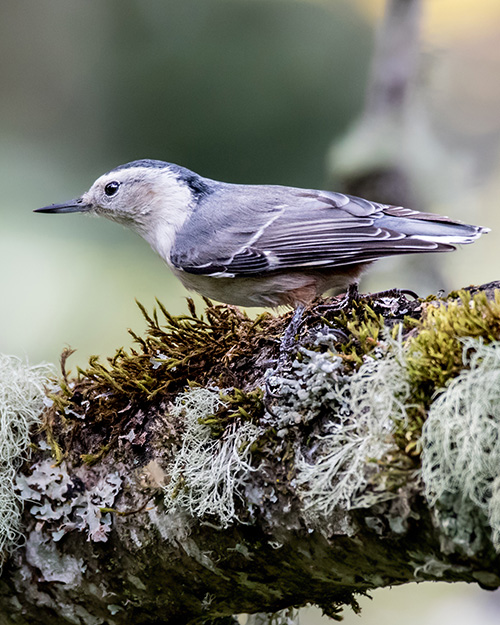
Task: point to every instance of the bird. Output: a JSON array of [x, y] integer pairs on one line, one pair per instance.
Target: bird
[[260, 245]]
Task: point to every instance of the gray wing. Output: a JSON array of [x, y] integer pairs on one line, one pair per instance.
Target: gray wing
[[243, 230]]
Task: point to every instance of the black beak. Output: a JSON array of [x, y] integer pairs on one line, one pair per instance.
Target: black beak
[[73, 206]]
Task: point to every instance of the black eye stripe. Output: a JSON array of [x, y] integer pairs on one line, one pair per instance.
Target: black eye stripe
[[111, 188]]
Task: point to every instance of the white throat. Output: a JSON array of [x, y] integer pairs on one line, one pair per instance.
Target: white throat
[[169, 208]]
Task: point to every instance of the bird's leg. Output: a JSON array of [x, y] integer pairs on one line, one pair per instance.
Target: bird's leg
[[351, 295], [286, 345], [293, 327]]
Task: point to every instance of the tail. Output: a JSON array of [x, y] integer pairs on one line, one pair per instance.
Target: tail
[[438, 229]]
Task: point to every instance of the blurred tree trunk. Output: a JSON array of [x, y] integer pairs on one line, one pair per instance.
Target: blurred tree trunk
[[370, 160], [380, 157]]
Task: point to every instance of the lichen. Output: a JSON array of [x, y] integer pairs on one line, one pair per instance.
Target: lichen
[[302, 390], [461, 447], [339, 469], [62, 503], [208, 474], [53, 564], [22, 399]]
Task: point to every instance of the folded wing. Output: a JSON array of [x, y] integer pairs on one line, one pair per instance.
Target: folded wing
[[253, 230]]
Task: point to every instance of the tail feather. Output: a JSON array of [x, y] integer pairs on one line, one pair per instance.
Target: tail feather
[[429, 227]]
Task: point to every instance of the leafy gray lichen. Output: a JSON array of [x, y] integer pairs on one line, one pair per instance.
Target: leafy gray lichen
[[461, 440], [308, 386], [63, 504], [210, 474]]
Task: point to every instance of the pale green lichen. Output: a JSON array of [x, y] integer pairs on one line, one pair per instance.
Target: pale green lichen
[[364, 408], [208, 474], [461, 446], [290, 616], [21, 404], [430, 567]]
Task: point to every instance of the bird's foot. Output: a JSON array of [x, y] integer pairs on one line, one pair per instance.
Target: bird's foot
[[353, 295], [343, 301], [390, 293]]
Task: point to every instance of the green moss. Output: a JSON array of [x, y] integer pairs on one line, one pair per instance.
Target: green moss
[[361, 326], [238, 405], [364, 330], [217, 347], [178, 350], [435, 353]]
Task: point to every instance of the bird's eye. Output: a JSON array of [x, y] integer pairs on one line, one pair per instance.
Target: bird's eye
[[111, 188]]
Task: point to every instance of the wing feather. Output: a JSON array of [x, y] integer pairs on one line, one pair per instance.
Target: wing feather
[[251, 230]]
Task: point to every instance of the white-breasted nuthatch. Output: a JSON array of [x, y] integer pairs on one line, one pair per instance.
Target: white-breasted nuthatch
[[260, 245]]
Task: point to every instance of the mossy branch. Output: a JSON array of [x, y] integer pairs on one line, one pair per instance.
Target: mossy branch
[[197, 475]]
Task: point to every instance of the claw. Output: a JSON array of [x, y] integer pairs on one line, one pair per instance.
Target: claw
[[390, 293]]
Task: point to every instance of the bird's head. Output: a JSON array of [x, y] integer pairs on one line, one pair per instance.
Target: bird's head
[[142, 195]]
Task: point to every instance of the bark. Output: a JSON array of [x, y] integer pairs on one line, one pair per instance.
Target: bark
[[121, 538]]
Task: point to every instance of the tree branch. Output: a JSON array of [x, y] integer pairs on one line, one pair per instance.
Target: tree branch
[[167, 487]]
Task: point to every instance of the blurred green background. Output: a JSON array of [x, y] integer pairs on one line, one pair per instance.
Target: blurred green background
[[243, 91], [252, 91]]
